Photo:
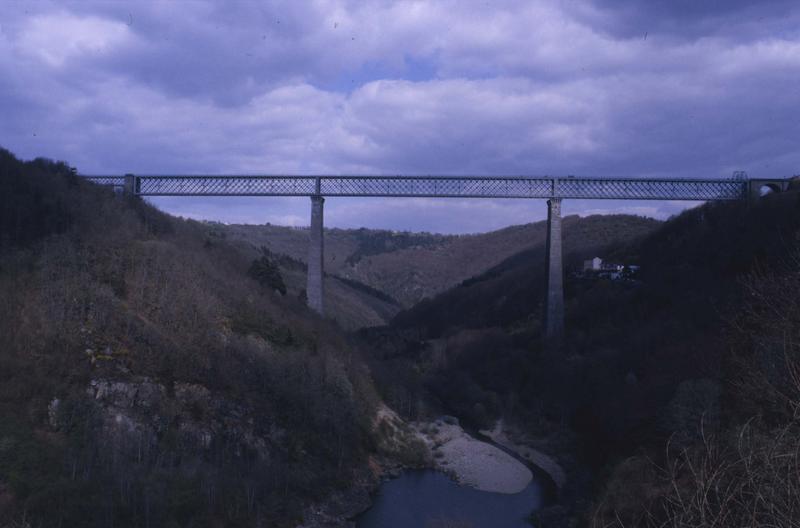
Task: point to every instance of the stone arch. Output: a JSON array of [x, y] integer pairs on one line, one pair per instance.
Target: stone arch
[[761, 188], [768, 188]]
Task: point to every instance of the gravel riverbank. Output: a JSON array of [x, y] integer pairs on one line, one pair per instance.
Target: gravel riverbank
[[473, 462]]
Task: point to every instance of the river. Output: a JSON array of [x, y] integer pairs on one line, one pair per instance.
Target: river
[[426, 498]]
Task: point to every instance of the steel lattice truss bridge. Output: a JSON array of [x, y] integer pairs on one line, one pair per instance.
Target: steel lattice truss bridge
[[434, 187], [553, 189]]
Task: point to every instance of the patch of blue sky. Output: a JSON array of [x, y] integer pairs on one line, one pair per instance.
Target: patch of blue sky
[[414, 69]]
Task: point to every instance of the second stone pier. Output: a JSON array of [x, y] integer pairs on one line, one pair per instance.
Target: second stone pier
[[554, 275]]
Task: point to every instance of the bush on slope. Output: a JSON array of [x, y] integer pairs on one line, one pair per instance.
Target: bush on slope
[[146, 380]]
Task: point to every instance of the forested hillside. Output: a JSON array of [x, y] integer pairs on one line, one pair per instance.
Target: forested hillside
[[410, 267], [153, 375], [699, 352], [156, 371], [351, 303]]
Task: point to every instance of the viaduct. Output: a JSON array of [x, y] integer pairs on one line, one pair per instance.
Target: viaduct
[[552, 189]]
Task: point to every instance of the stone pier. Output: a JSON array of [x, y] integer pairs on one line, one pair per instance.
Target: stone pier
[[315, 288], [554, 275]]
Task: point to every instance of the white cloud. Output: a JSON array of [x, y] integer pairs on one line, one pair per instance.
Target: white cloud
[[56, 38], [763, 56], [438, 87]]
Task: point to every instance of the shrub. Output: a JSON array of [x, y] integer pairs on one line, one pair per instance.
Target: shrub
[[267, 273]]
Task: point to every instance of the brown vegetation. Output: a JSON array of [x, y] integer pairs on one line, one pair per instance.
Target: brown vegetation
[[410, 267], [147, 380]]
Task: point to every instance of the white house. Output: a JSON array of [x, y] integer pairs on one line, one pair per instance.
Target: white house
[[593, 265]]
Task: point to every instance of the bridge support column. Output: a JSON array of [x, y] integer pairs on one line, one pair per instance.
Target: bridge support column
[[554, 275], [316, 254]]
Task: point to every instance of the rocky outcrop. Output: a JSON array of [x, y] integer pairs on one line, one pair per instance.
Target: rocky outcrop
[[142, 410], [398, 441]]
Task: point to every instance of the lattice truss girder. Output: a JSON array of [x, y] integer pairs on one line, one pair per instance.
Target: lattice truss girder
[[466, 187], [113, 181]]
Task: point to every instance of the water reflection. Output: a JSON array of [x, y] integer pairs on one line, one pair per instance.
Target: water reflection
[[428, 499]]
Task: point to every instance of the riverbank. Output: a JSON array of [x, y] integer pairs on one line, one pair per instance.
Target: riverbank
[[545, 463], [472, 462], [442, 445]]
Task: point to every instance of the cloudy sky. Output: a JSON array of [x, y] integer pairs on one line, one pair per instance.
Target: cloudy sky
[[686, 88]]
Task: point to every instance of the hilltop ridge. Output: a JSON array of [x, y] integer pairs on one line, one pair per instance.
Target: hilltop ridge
[[410, 267]]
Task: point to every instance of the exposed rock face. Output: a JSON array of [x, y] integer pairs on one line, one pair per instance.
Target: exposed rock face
[[126, 395], [141, 410], [52, 412], [398, 441]]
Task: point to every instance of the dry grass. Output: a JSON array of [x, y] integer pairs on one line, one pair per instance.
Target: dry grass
[[752, 481]]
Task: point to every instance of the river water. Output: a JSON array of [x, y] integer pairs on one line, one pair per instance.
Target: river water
[[425, 498]]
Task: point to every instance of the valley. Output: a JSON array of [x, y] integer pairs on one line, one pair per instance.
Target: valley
[[399, 264], [401, 269], [158, 371]]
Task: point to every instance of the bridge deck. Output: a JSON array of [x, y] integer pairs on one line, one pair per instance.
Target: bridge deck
[[434, 187]]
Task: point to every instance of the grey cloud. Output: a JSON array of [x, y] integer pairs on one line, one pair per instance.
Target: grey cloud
[[690, 19], [527, 88], [232, 51]]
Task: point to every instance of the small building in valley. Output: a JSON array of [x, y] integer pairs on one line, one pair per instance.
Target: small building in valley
[[594, 264], [597, 268]]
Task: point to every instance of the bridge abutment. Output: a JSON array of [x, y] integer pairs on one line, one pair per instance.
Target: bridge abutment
[[129, 185], [756, 185], [554, 274], [316, 255]]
